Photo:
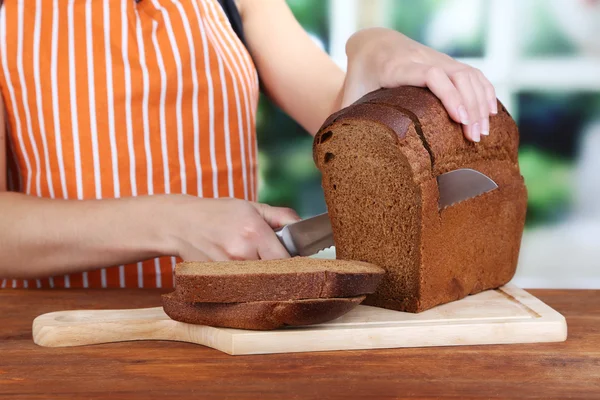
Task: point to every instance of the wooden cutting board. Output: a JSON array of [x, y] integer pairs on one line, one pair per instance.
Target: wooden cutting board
[[502, 316]]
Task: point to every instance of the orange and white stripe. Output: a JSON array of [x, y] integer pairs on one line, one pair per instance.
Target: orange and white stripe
[[119, 98]]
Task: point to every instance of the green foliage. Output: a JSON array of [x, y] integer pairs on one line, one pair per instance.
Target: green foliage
[[549, 185], [288, 176], [312, 15], [409, 16]]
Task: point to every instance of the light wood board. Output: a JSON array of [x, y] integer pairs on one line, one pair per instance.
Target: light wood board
[[502, 316]]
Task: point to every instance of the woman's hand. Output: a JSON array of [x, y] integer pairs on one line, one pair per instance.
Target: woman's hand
[[226, 229], [47, 237], [380, 57]]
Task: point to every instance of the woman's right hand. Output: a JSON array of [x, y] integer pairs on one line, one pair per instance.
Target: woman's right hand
[[225, 229]]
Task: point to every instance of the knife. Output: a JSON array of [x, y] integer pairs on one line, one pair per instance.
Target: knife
[[311, 235]]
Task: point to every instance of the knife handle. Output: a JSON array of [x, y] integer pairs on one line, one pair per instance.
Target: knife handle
[[284, 236]]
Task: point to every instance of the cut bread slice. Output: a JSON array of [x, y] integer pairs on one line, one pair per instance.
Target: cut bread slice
[[259, 315], [274, 280]]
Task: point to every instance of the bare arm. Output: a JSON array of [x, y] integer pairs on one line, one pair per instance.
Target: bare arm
[[45, 237], [297, 74], [308, 85], [42, 237]]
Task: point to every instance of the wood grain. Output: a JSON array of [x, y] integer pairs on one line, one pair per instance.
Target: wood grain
[[505, 315], [142, 370]]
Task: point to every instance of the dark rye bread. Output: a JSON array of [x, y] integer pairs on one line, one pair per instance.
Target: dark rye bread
[[379, 160], [274, 280], [258, 315]]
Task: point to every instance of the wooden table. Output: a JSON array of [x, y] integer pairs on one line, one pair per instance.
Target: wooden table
[[180, 370]]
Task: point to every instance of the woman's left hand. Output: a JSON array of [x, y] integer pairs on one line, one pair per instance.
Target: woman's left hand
[[380, 57]]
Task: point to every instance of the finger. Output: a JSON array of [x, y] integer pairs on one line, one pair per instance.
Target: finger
[[242, 250], [484, 110], [216, 253], [440, 84], [490, 93], [462, 81], [276, 217], [437, 80], [272, 250], [269, 246]]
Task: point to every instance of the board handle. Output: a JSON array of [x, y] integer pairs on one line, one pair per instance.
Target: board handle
[[86, 327]]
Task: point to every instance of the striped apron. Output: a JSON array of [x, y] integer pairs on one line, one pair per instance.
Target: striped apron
[[119, 98]]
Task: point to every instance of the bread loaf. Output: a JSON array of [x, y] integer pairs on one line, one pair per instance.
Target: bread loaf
[[379, 160], [274, 280], [259, 315]]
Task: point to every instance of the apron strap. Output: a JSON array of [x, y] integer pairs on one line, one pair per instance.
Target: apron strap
[[233, 15]]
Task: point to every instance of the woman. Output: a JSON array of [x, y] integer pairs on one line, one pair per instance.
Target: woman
[[130, 135]]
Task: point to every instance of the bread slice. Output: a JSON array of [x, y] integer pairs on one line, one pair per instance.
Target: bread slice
[[379, 160], [259, 315], [274, 280]]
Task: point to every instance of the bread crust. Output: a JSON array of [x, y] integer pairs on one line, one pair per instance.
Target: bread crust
[[261, 315], [446, 254], [274, 280]]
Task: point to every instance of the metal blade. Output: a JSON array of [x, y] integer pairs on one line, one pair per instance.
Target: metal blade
[[462, 184], [307, 237], [311, 235]]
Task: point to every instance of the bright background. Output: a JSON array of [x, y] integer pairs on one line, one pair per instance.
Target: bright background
[[543, 56]]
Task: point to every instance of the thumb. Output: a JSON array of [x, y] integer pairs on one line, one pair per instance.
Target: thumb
[[276, 217], [357, 83]]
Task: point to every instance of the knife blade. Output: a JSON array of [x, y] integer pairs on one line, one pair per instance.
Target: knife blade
[[462, 184], [308, 236], [311, 235]]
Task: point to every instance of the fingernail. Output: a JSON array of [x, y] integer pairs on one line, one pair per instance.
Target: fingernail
[[485, 126], [475, 132], [494, 107], [464, 117]]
